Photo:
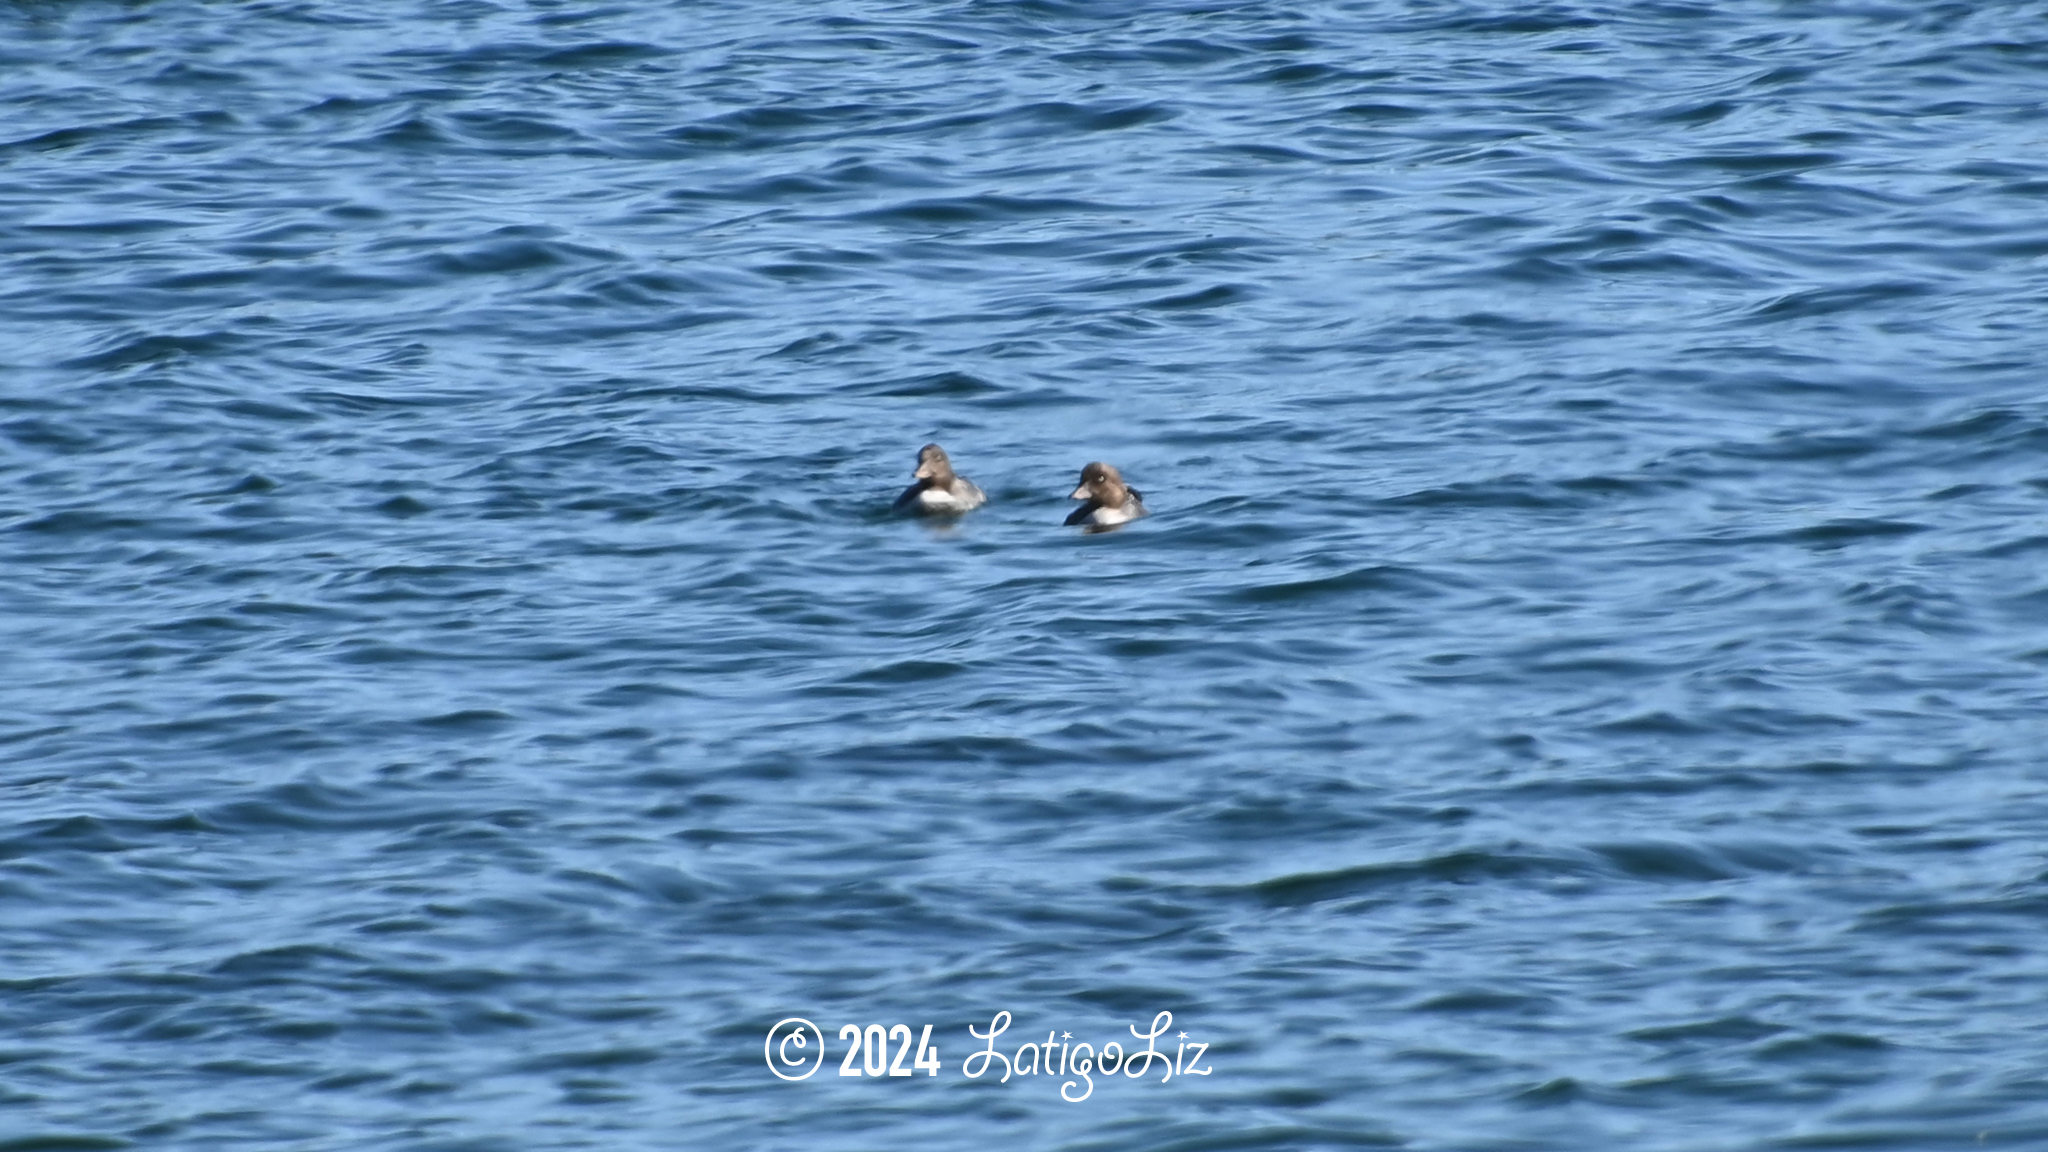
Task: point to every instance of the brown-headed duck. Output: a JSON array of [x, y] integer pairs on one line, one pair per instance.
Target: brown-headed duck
[[939, 491], [1110, 501]]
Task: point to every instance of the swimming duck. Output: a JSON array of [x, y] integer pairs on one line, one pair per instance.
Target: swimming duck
[[939, 491], [1110, 501]]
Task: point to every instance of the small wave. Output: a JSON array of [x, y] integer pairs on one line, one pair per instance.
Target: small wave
[[158, 349], [81, 522], [73, 137], [1373, 578], [1676, 860], [62, 1141], [1181, 52], [67, 834], [983, 208], [953, 385], [1535, 23], [289, 958], [1838, 533], [1829, 301], [1305, 888], [1213, 296], [513, 254], [1506, 492], [493, 127], [1707, 1033]]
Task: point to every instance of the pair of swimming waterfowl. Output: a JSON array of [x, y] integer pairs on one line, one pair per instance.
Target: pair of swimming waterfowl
[[940, 491]]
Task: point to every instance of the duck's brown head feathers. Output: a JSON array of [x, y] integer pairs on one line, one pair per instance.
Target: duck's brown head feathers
[[1101, 483], [933, 465]]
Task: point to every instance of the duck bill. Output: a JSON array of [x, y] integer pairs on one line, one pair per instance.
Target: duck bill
[[1084, 492]]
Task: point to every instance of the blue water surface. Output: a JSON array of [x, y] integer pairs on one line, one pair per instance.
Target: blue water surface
[[1581, 687]]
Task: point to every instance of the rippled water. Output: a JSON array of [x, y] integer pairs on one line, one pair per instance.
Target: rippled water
[[1581, 687]]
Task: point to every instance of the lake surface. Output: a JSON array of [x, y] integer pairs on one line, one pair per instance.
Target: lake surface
[[1584, 684]]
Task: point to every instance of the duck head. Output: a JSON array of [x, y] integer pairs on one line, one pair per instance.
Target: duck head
[[1101, 483], [933, 465]]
